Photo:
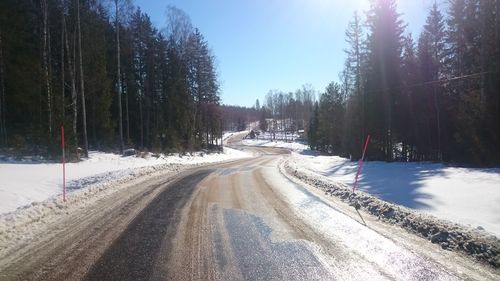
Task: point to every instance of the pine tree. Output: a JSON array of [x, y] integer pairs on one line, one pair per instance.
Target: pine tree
[[407, 115], [262, 120], [489, 65], [312, 130], [385, 44], [434, 29], [464, 93], [330, 123], [98, 80]]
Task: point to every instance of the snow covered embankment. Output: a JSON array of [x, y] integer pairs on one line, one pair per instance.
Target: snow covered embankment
[[28, 222], [450, 236], [22, 184], [30, 194], [468, 196]]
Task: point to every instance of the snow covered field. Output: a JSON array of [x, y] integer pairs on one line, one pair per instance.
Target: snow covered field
[[468, 196], [295, 146], [21, 184]]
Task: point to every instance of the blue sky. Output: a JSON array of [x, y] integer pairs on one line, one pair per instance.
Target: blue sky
[[276, 44]]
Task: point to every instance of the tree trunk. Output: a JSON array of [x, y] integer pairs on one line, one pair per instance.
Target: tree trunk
[[207, 124], [63, 30], [82, 85], [148, 120], [3, 128], [141, 122], [73, 90], [126, 115], [118, 77], [49, 70], [44, 6], [94, 123], [438, 121]]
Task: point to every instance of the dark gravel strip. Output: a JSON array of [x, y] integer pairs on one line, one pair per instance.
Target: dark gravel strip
[[133, 254]]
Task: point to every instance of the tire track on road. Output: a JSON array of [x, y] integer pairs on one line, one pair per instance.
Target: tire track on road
[[132, 256]]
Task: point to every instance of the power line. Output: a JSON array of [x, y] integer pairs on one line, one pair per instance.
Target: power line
[[448, 80], [430, 82]]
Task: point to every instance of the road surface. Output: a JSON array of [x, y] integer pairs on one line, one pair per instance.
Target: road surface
[[243, 220]]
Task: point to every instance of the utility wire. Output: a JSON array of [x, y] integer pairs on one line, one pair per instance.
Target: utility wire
[[430, 82]]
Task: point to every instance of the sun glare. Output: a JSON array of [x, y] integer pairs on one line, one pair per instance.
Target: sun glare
[[324, 5]]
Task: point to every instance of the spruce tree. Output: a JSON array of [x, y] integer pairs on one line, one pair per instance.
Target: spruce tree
[[384, 46]]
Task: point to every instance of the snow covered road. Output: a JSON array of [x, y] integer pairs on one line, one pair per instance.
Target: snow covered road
[[243, 220]]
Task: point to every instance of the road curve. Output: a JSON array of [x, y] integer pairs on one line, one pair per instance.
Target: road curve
[[242, 220], [246, 221]]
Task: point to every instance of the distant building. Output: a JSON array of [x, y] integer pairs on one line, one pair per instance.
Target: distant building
[[301, 133]]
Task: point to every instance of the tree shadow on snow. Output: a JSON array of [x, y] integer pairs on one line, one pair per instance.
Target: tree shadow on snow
[[399, 183]]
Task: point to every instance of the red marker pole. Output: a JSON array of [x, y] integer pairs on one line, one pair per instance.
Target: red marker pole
[[63, 164], [361, 163]]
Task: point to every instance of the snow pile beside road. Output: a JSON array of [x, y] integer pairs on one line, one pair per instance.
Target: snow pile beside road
[[451, 236], [464, 195], [30, 221], [22, 184], [37, 187]]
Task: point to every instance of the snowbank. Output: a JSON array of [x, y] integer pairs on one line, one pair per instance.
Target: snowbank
[[464, 195], [448, 235], [23, 184], [30, 222]]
